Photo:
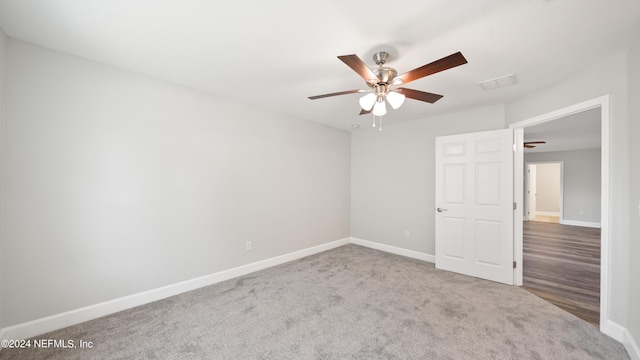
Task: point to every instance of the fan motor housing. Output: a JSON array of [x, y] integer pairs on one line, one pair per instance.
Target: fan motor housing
[[385, 74]]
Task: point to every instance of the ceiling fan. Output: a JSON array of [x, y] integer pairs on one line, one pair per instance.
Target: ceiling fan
[[385, 84], [528, 144]]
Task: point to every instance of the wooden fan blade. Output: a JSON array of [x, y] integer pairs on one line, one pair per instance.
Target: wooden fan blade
[[354, 62], [336, 94], [445, 63], [529, 146], [420, 95], [534, 142], [364, 112]]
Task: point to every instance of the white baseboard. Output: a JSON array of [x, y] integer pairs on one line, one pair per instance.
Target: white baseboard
[[631, 345], [394, 250], [73, 317], [622, 335], [613, 330], [547, 213], [580, 223]]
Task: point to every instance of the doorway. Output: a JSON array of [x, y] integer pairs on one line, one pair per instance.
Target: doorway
[[543, 191], [561, 262], [601, 106]]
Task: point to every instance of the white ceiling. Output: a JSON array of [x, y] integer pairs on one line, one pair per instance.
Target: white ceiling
[[578, 131], [274, 54]]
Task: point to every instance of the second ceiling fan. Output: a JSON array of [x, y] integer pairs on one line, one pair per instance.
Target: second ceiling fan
[[530, 144], [385, 84]]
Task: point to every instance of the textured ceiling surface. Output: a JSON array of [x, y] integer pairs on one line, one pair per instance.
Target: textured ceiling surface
[[579, 131], [274, 54]]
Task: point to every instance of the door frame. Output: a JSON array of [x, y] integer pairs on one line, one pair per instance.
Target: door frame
[[603, 103], [530, 183]]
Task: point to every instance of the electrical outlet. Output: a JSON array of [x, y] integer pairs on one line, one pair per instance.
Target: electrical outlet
[[407, 234], [248, 245]]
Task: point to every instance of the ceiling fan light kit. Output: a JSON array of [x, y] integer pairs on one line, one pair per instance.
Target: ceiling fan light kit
[[367, 101], [379, 109], [386, 85], [395, 99]]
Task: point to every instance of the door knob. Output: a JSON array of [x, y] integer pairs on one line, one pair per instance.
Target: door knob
[[441, 209]]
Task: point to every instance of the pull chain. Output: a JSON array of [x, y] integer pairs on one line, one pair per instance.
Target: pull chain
[[374, 122]]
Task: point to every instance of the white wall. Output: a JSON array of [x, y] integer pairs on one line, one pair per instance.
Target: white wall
[[393, 181], [582, 183], [634, 193], [548, 188], [3, 53], [117, 183], [606, 77]]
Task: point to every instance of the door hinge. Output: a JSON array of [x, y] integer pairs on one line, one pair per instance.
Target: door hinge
[[515, 206], [514, 264]]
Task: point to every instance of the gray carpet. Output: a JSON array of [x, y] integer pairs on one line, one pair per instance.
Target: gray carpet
[[347, 303]]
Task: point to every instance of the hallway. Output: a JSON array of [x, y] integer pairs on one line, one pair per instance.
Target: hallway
[[562, 265]]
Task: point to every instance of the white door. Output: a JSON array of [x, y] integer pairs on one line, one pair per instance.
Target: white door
[[474, 204], [532, 191]]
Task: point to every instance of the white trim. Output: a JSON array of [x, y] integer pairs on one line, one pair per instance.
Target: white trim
[[518, 199], [631, 345], [614, 330], [569, 110], [395, 250], [548, 213], [603, 103], [623, 336], [73, 317], [581, 223], [604, 211]]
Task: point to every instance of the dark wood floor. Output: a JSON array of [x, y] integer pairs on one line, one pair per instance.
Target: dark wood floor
[[561, 264]]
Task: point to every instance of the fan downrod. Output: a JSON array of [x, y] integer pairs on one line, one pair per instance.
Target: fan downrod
[[385, 74]]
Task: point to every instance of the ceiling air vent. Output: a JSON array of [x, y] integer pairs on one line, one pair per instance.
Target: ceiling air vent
[[498, 82]]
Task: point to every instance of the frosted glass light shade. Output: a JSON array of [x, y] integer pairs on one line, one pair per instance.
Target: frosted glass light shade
[[380, 108], [367, 101], [395, 99]]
